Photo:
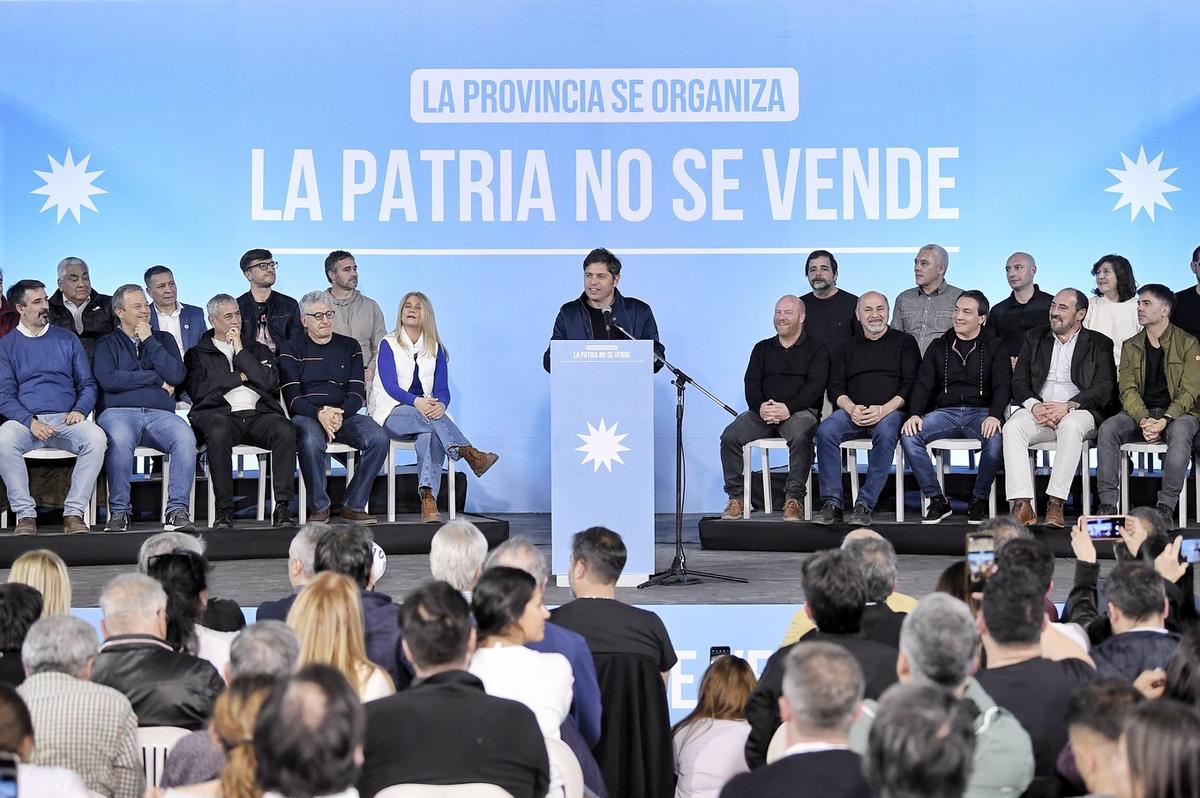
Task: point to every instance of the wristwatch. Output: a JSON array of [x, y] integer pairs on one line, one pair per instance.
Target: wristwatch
[[1072, 405]]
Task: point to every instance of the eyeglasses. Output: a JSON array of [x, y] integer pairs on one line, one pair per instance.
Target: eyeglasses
[[160, 564], [268, 266], [326, 315]]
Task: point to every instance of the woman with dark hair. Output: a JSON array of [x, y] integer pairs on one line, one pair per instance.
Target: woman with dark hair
[[1183, 672], [184, 576], [20, 608], [1113, 309], [1160, 748], [509, 612], [710, 743]]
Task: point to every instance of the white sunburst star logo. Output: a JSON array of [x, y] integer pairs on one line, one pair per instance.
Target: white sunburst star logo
[[68, 186], [1142, 185], [602, 446]]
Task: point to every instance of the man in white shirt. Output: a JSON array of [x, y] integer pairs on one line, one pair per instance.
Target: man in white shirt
[[185, 323], [1064, 388]]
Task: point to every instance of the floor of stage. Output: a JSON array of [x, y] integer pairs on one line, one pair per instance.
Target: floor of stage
[[774, 576]]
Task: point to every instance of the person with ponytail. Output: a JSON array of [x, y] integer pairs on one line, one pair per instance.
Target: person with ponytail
[[183, 575]]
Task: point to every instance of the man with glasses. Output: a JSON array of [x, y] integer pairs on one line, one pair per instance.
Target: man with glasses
[[1187, 302], [233, 384], [268, 316], [323, 389]]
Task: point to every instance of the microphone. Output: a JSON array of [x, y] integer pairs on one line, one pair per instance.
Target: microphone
[[607, 312]]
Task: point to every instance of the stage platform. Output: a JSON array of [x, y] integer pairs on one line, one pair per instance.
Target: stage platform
[[248, 540]]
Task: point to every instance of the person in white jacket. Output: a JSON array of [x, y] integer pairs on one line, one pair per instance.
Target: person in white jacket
[[1113, 310]]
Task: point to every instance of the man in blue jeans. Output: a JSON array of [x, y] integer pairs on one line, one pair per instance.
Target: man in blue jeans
[[138, 370], [46, 393], [870, 378], [322, 376], [962, 390]]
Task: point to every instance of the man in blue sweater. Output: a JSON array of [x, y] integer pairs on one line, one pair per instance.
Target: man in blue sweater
[[323, 387], [46, 392], [138, 370]]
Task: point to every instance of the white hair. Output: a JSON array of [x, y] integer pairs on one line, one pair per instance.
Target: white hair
[[131, 597], [216, 302], [303, 548], [67, 263], [520, 552], [165, 543], [315, 298], [456, 554], [59, 644]]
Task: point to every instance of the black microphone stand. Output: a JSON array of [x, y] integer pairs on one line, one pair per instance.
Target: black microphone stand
[[678, 573]]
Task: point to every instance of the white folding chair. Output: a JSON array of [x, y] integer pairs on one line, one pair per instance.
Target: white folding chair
[[852, 448], [778, 744], [444, 791], [563, 759], [332, 448], [410, 446], [764, 445], [1085, 459], [55, 454], [1143, 449], [156, 742], [240, 452], [939, 449], [146, 454]]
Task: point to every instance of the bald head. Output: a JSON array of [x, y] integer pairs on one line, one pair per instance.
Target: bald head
[[1019, 270], [872, 314], [789, 317], [862, 533]]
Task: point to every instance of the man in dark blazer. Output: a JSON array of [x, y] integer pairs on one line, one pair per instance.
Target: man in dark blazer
[[835, 594], [268, 316], [822, 697], [1065, 384], [184, 322], [445, 729], [234, 383], [77, 307]]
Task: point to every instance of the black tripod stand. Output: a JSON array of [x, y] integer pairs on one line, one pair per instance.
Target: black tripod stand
[[678, 573]]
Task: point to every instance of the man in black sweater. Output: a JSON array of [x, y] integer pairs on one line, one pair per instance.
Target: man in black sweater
[[1025, 308], [962, 391], [1187, 301], [233, 385], [784, 383], [445, 729], [324, 388], [78, 307], [822, 691], [831, 311], [835, 593], [870, 378]]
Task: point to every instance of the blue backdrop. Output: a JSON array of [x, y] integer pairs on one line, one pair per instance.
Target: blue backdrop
[[476, 151]]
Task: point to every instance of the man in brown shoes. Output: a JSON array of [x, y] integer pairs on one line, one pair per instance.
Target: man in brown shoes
[[785, 382]]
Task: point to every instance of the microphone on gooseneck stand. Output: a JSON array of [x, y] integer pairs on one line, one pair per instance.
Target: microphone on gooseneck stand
[[607, 313]]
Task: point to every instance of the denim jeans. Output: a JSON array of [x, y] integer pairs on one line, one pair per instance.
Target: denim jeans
[[85, 440], [837, 429], [953, 422], [130, 427], [358, 431], [434, 441], [1121, 428]]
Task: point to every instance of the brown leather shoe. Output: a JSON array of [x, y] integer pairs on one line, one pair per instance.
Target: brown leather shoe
[[429, 509], [26, 526], [319, 516], [357, 516], [1054, 513], [479, 461], [73, 525], [792, 511], [734, 509], [1022, 510]]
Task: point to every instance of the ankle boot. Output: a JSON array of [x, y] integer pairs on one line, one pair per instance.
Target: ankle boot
[[1054, 513], [429, 509], [479, 461]]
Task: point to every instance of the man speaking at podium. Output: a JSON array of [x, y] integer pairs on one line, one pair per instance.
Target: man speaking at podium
[[601, 309]]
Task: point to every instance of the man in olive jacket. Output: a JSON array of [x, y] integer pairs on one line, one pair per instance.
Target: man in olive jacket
[[1158, 384]]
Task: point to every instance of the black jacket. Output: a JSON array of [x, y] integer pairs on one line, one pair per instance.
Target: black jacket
[[166, 687], [1010, 320], [882, 624], [795, 377], [574, 323], [1092, 370], [819, 774], [1126, 655], [946, 379], [98, 319], [210, 377], [878, 663], [283, 317], [447, 730], [1084, 599]]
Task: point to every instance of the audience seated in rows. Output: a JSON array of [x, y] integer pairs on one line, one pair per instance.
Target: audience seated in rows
[[445, 729], [921, 744], [301, 567], [631, 650], [80, 725], [220, 614], [822, 691], [710, 743], [20, 608], [835, 594], [267, 649], [165, 686], [939, 647], [1059, 640]]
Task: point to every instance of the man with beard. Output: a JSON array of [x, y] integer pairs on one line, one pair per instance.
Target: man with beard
[[358, 316], [785, 381], [829, 310], [268, 317], [870, 378], [1026, 307], [1064, 382], [77, 307]]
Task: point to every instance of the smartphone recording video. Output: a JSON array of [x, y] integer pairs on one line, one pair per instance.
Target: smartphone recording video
[[981, 560], [1189, 552], [1105, 527]]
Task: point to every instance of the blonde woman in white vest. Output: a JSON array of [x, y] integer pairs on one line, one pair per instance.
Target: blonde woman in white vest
[[410, 396]]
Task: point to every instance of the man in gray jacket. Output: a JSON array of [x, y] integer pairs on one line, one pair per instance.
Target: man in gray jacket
[[357, 315], [938, 644]]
